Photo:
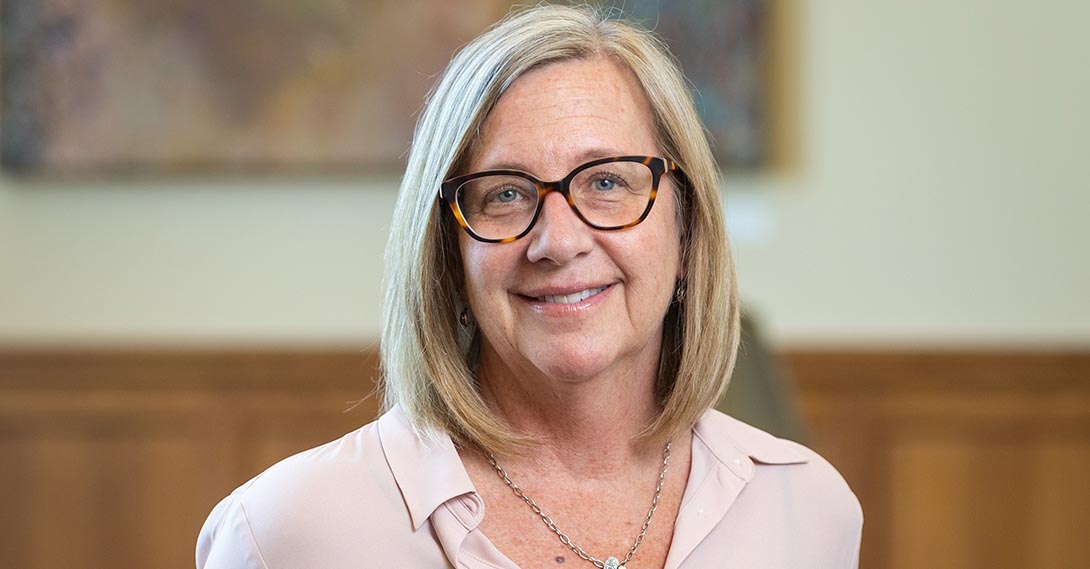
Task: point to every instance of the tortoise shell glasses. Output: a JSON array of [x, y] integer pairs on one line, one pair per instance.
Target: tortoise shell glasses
[[608, 194]]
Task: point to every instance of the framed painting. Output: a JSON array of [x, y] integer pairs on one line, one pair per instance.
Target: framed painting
[[160, 86]]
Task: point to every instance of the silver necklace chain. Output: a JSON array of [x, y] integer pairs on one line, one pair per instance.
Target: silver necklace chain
[[611, 562]]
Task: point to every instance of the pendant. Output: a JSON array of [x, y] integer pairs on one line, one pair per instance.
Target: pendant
[[612, 563]]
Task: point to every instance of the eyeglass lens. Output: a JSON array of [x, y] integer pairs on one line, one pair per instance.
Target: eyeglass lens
[[608, 196]]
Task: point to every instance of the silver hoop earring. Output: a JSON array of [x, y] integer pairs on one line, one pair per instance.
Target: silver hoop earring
[[466, 317]]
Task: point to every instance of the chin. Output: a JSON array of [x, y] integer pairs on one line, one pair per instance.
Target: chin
[[575, 364]]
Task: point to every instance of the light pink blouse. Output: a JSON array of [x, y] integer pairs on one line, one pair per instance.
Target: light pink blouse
[[380, 497]]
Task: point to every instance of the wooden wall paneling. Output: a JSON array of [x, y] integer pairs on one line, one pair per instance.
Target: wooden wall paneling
[[1061, 509], [930, 478], [972, 453], [846, 427], [114, 459], [91, 486], [1002, 494]]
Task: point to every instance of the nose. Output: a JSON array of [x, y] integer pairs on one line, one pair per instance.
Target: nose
[[559, 235]]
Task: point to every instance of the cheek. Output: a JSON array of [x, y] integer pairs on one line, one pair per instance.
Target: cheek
[[652, 268], [472, 271], [484, 267], [668, 237]]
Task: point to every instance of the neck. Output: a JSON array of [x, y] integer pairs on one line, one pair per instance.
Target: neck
[[586, 427]]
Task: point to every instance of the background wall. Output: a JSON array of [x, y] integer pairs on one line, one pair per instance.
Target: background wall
[[940, 196]]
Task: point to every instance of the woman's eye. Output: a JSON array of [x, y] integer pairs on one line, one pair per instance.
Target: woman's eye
[[507, 196], [604, 184]]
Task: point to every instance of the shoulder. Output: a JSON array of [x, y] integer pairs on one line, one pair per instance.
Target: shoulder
[[306, 503], [784, 470], [718, 427], [782, 504], [335, 470]]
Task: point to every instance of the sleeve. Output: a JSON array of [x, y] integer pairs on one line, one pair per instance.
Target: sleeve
[[854, 538], [226, 541], [840, 515]]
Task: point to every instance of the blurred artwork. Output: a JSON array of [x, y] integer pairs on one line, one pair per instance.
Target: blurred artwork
[[114, 86], [719, 45]]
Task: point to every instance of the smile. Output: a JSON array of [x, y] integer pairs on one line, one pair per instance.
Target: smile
[[573, 297]]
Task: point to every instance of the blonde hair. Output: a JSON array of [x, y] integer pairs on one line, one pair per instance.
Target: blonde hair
[[427, 362]]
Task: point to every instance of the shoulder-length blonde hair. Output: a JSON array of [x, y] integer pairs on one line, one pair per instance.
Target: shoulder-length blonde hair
[[427, 367]]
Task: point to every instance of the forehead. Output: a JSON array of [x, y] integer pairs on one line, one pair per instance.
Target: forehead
[[557, 116]]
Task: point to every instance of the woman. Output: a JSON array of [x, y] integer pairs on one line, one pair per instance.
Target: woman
[[551, 349]]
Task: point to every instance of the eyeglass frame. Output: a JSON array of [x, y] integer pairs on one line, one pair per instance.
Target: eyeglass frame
[[448, 192]]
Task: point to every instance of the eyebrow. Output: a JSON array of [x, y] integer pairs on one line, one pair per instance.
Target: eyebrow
[[584, 157]]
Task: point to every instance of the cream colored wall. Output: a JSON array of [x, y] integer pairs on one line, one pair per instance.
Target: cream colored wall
[[943, 197], [242, 261], [946, 192]]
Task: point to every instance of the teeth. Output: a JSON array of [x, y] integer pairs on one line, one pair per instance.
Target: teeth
[[573, 297]]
